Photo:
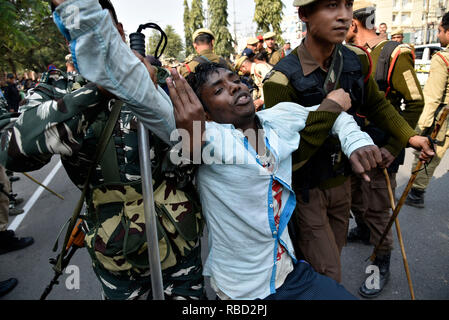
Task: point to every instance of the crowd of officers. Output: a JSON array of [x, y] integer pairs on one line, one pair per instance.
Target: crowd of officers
[[325, 186]]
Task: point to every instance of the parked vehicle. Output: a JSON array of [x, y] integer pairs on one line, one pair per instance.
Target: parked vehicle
[[423, 54]]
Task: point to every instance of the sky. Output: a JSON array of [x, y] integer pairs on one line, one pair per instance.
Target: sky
[[132, 13]]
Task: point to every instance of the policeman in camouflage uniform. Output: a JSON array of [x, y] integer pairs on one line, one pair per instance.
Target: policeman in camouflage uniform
[[203, 42], [436, 92], [274, 53], [70, 124], [393, 68], [322, 185]]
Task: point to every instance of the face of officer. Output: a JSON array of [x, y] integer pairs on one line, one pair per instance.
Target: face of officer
[[443, 36], [246, 67], [271, 43], [328, 20], [398, 38]]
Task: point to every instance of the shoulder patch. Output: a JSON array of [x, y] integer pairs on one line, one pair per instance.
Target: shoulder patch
[[277, 77], [357, 50]]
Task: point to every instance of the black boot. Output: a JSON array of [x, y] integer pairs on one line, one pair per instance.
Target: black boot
[[7, 285], [415, 198], [9, 242], [359, 233], [383, 262]]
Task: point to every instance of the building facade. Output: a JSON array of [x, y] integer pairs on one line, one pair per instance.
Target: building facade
[[418, 19]]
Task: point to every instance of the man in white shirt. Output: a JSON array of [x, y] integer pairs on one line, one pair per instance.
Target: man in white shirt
[[245, 182]]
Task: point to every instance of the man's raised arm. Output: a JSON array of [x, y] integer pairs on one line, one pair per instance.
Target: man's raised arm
[[101, 56]]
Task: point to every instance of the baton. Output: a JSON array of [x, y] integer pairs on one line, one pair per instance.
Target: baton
[[150, 213], [45, 187], [409, 185], [398, 230]]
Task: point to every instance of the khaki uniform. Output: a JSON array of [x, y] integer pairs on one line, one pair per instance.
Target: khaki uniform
[[323, 221], [258, 73], [275, 56], [436, 91], [370, 200], [4, 200], [208, 55]]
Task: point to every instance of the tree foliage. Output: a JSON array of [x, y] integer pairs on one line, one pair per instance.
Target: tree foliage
[[174, 43], [218, 12], [268, 15], [29, 39], [187, 29], [197, 15]]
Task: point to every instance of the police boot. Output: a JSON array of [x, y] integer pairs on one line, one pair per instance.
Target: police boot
[[9, 242], [7, 285], [359, 233], [415, 198], [377, 281]]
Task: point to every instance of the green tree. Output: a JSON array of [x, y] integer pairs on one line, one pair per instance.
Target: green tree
[[187, 29], [174, 47], [197, 15], [268, 14], [218, 12], [29, 38]]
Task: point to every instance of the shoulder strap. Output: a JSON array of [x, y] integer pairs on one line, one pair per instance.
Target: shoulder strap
[[102, 144], [385, 65], [444, 59]]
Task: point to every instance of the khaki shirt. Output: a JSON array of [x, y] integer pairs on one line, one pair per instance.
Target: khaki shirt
[[275, 56], [258, 73], [436, 90], [190, 65]]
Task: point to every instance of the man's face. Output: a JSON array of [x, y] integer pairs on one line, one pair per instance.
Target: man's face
[[329, 20], [443, 36], [383, 28], [246, 68], [398, 38], [270, 43], [227, 99], [252, 47], [287, 46], [259, 46]]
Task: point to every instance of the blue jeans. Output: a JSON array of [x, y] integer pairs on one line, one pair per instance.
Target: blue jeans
[[304, 283]]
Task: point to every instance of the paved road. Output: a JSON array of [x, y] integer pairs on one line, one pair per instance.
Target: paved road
[[425, 232]]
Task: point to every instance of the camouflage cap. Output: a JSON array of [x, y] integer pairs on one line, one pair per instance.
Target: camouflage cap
[[202, 31], [239, 62], [362, 5], [397, 32], [269, 35], [301, 3]]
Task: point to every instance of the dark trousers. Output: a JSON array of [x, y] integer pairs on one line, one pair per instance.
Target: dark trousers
[[304, 283]]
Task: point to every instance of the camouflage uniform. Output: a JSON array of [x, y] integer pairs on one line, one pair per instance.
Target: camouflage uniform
[[53, 122], [204, 56]]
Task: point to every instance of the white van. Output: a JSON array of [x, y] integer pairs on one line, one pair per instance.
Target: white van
[[423, 54]]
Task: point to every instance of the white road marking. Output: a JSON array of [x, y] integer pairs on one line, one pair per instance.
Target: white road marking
[[30, 203]]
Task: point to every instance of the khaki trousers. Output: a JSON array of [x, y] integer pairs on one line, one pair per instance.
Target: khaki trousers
[[424, 176], [4, 200], [322, 226], [371, 206]]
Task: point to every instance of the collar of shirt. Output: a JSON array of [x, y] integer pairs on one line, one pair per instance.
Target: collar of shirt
[[308, 63], [375, 41], [206, 51]]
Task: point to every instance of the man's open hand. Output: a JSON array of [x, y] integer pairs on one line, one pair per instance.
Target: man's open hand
[[365, 159], [188, 109]]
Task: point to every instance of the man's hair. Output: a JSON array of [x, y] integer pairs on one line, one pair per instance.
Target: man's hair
[[445, 21], [383, 24], [263, 55], [106, 4], [201, 75], [204, 38], [366, 17]]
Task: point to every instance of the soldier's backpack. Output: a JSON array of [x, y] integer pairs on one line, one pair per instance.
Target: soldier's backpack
[[385, 66]]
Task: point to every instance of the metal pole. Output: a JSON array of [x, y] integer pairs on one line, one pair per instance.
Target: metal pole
[[150, 214]]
